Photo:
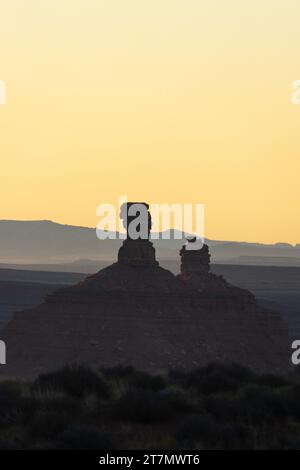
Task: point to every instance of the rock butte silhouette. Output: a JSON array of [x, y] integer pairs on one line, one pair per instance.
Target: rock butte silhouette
[[136, 313]]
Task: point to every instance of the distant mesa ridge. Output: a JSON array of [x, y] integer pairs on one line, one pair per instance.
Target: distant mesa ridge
[[135, 312], [46, 242]]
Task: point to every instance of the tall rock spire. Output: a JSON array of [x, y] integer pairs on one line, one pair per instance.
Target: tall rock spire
[[137, 250]]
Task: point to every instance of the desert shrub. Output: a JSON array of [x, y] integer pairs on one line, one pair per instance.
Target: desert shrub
[[61, 404], [178, 399], [26, 409], [290, 440], [75, 380], [216, 378], [13, 437], [197, 428], [10, 416], [234, 436], [10, 393], [292, 395], [291, 443], [143, 406], [272, 380], [14, 407], [215, 407], [135, 378], [177, 375], [46, 425], [223, 406], [83, 438], [260, 404], [8, 444]]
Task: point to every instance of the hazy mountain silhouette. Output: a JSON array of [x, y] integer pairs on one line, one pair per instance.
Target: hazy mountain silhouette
[[44, 241]]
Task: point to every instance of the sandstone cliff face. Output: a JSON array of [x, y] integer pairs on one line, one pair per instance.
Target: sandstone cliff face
[[137, 313]]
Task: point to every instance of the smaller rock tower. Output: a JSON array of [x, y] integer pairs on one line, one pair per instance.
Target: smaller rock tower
[[195, 270], [194, 261]]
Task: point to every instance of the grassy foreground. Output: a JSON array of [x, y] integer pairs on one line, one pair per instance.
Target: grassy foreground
[[216, 407]]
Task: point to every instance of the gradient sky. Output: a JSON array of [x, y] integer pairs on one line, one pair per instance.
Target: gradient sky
[[168, 101]]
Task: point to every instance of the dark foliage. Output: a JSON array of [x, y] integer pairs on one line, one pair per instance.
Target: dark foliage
[[197, 428], [216, 407], [143, 406], [236, 436], [65, 404], [271, 380], [216, 378], [135, 378], [46, 425], [14, 407], [83, 438], [74, 380]]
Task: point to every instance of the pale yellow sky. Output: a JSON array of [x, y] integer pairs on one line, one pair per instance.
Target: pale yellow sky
[[179, 101]]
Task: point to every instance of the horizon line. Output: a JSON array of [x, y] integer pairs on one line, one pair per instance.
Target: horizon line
[[293, 245]]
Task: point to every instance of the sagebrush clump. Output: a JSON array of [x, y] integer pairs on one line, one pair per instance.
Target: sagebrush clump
[[214, 407]]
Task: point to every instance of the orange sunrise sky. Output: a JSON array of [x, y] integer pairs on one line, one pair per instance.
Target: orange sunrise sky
[[168, 101]]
